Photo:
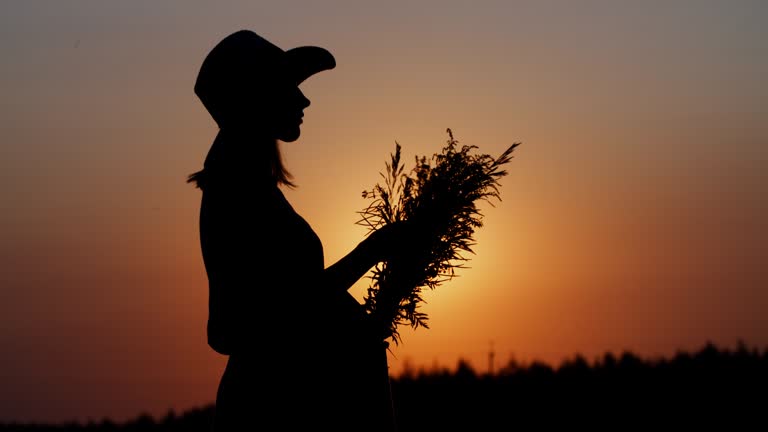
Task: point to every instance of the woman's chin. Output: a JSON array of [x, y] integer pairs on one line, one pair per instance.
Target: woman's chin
[[290, 135]]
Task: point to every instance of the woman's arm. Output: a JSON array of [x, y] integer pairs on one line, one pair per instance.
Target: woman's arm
[[349, 269], [379, 246]]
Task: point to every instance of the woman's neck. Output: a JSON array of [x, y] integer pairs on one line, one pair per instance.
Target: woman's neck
[[239, 152]]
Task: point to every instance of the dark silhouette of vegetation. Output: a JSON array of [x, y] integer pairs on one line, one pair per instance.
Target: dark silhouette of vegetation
[[710, 387], [193, 420], [440, 196]]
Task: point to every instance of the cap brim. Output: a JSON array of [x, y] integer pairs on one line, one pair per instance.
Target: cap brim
[[305, 61]]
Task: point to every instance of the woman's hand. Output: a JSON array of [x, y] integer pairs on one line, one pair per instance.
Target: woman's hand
[[394, 239]]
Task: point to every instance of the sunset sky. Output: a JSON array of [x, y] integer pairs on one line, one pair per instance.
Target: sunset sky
[[633, 216]]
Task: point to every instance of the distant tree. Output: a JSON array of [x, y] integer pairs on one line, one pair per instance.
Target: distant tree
[[708, 387]]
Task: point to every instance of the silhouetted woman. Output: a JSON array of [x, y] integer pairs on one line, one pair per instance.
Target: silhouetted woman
[[301, 353]]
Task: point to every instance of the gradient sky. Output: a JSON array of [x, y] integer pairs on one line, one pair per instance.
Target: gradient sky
[[633, 216]]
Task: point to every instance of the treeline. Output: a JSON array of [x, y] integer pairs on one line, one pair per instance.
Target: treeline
[[707, 388], [711, 387]]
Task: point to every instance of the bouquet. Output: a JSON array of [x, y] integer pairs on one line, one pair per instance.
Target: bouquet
[[440, 196]]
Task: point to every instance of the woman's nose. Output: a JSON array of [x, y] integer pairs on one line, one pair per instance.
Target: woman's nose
[[303, 100]]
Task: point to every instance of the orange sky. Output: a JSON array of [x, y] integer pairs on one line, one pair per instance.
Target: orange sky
[[632, 217]]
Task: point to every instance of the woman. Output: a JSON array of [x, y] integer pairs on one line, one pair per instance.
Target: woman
[[301, 353]]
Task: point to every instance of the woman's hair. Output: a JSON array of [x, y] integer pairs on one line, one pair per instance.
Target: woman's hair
[[281, 175]]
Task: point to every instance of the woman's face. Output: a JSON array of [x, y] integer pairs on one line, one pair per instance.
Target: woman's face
[[287, 113], [276, 110]]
